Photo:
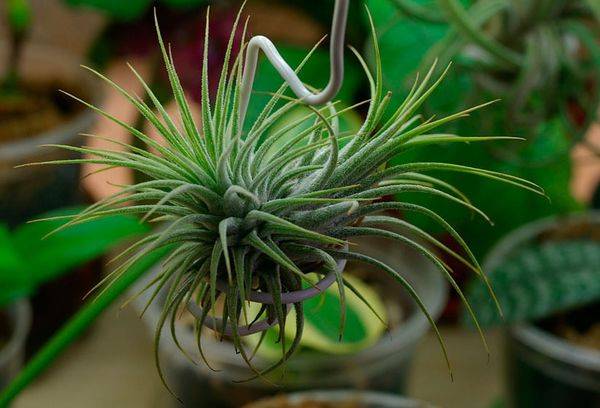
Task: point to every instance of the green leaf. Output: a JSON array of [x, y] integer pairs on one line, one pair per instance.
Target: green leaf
[[52, 256], [19, 15], [537, 281], [321, 322], [404, 42], [185, 4], [15, 276], [117, 9]]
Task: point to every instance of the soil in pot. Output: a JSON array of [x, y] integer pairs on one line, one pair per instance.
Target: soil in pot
[[544, 370], [580, 327], [32, 110]]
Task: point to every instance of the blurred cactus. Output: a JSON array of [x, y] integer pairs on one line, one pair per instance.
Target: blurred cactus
[[540, 280]]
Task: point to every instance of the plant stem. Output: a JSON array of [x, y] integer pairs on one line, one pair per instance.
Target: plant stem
[[459, 17], [77, 325], [19, 18], [418, 11]]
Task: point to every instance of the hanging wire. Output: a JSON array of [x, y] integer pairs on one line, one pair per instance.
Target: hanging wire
[[259, 42]]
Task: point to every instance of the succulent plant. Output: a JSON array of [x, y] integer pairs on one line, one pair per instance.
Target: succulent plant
[[540, 56], [244, 222], [539, 280]]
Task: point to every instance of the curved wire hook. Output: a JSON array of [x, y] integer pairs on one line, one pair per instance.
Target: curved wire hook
[[259, 42]]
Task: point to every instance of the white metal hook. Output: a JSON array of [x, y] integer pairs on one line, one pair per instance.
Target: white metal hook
[[259, 42]]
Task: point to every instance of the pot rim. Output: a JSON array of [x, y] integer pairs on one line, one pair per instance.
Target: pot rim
[[528, 334], [340, 395], [20, 316]]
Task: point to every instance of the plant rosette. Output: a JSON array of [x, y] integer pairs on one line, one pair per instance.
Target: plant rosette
[[233, 210], [233, 213]]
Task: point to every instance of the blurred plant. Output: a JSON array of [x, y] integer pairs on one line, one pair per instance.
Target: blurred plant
[[29, 257], [18, 15], [541, 58], [243, 225], [540, 280], [133, 9]]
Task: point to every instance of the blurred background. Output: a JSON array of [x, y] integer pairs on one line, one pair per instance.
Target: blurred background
[[540, 58]]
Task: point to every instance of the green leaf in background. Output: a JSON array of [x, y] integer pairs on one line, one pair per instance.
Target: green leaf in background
[[52, 256], [124, 10], [321, 322], [404, 42], [19, 15], [128, 10], [28, 258], [595, 6], [540, 280], [15, 280]]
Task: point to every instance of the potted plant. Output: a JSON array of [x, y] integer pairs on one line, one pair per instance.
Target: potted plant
[[340, 398], [546, 276], [540, 58], [371, 355], [32, 113], [243, 226], [28, 260]]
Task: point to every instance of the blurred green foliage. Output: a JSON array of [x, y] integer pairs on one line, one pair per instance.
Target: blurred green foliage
[[30, 257], [548, 100], [19, 15], [128, 10]]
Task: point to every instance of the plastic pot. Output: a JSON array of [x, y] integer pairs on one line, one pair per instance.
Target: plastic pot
[[340, 398], [12, 353], [28, 191], [543, 369], [383, 367]]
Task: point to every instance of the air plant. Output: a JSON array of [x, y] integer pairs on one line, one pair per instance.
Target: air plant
[[244, 224]]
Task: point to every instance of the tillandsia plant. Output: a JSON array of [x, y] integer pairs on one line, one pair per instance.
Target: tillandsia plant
[[245, 223]]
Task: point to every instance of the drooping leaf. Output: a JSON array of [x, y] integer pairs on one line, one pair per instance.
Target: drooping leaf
[[49, 257]]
